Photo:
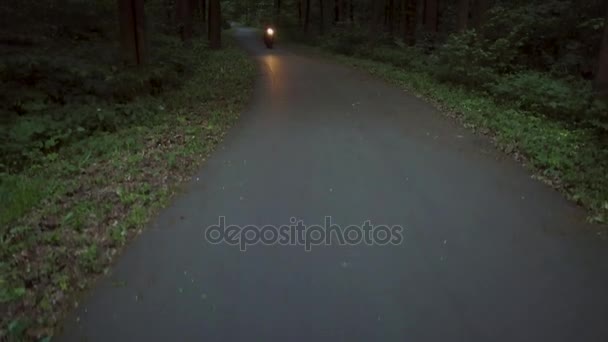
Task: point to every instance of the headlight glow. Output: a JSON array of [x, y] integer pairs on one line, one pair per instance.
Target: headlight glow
[[270, 31]]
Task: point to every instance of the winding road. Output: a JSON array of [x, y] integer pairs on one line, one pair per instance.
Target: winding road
[[488, 253]]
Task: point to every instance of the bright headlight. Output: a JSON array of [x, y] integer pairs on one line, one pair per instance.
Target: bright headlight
[[270, 32]]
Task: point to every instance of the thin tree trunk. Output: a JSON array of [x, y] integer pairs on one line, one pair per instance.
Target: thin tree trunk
[[215, 24], [194, 7], [404, 14], [352, 11], [184, 19], [409, 21], [601, 80], [299, 13], [204, 10], [133, 31], [277, 8], [378, 15], [391, 16], [463, 15], [479, 13], [307, 16], [321, 18], [420, 6], [336, 11], [430, 16]]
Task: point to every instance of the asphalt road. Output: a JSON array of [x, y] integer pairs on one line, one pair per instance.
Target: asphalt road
[[488, 254]]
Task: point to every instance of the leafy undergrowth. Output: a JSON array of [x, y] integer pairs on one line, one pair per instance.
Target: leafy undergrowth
[[62, 78], [67, 216], [572, 159]]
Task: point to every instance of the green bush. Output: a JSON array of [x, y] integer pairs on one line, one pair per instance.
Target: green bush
[[462, 59], [548, 35], [31, 137], [540, 93]]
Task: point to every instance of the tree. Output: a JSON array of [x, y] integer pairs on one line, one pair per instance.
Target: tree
[[321, 17], [132, 31], [420, 5], [408, 8], [601, 79], [299, 3], [378, 14], [480, 7], [463, 14], [204, 12], [336, 11], [184, 19], [307, 15], [390, 16], [277, 8], [430, 16], [215, 24]]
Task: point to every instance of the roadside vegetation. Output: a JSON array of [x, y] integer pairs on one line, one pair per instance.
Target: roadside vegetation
[[531, 74], [91, 147]]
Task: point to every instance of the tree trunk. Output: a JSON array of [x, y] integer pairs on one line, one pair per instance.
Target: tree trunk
[[194, 7], [204, 10], [215, 24], [378, 16], [479, 12], [410, 18], [168, 6], [184, 19], [430, 16], [321, 18], [352, 11], [420, 6], [463, 15], [299, 13], [390, 8], [336, 12], [277, 8], [133, 31], [307, 16], [601, 80]]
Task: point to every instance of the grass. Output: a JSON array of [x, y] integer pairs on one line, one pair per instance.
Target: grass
[[65, 218], [573, 160]]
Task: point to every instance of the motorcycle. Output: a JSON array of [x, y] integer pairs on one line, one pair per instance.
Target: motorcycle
[[269, 37]]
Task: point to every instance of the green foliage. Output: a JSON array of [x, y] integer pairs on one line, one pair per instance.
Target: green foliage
[[18, 194], [462, 59], [558, 35], [540, 93], [30, 138], [68, 82], [49, 103]]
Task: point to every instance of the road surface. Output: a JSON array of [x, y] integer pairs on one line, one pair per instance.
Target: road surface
[[488, 254]]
